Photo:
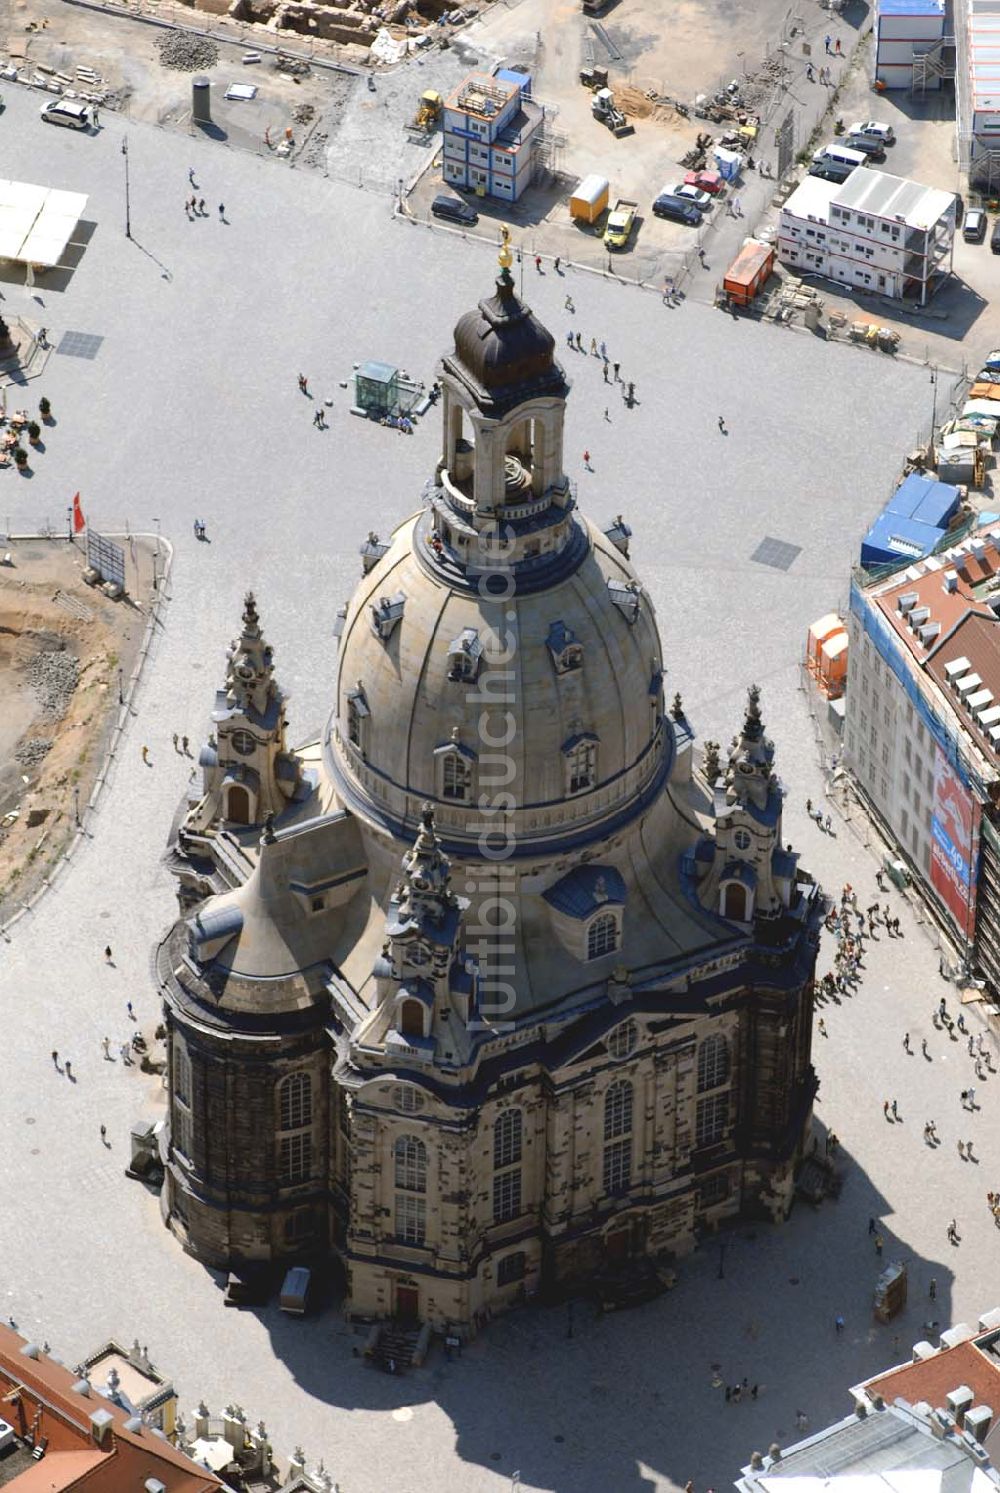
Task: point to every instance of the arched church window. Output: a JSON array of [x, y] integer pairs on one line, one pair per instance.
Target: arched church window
[[713, 1063], [410, 1170], [507, 1143], [295, 1101], [358, 716], [295, 1113], [617, 1170], [602, 935], [623, 1039]]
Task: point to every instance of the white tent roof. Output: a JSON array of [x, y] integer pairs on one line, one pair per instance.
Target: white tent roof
[[36, 223]]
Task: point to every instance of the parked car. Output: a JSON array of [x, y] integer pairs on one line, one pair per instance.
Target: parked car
[[875, 129], [831, 170], [295, 1291], [995, 237], [65, 112], [455, 210], [679, 209], [974, 229], [706, 181], [701, 199], [873, 149]]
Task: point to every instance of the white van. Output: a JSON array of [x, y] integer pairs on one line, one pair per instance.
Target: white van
[[65, 112], [839, 155]]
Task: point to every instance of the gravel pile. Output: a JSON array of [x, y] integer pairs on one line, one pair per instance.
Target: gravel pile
[[30, 753], [53, 677], [187, 54]]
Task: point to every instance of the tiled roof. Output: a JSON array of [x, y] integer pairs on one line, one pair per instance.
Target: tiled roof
[[39, 1401], [933, 1378]]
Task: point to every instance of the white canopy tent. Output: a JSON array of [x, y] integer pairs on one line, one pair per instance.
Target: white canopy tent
[[36, 223]]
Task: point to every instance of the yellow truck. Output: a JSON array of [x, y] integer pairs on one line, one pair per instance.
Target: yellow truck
[[621, 221]]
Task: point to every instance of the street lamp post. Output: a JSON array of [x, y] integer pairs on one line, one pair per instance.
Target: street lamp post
[[128, 204], [121, 693], [76, 806]]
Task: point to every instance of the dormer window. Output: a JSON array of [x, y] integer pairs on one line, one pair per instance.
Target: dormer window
[[580, 756], [603, 934], [564, 649], [455, 764], [358, 716], [464, 655], [386, 614]]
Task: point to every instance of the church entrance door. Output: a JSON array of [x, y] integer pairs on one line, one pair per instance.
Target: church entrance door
[[616, 1245], [407, 1303]]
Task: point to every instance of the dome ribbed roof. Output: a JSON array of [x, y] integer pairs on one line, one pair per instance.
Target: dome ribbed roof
[[502, 346]]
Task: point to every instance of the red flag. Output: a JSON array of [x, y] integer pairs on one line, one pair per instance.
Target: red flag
[[79, 522]]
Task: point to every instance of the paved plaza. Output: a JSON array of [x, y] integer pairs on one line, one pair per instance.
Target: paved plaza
[[191, 409]]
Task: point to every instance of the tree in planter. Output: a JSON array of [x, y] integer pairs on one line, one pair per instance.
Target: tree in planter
[[34, 432], [44, 408], [20, 458]]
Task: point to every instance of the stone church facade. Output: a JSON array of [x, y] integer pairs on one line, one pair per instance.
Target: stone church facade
[[494, 988]]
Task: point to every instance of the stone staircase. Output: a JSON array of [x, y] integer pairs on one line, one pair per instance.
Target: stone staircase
[[396, 1347]]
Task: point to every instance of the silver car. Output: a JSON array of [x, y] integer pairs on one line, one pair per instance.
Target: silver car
[[688, 193]]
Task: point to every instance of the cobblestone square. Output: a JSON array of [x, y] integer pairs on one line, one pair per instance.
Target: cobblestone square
[[192, 410]]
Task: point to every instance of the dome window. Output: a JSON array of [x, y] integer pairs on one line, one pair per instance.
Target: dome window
[[564, 649], [627, 599], [387, 612], [464, 655], [619, 534], [454, 764], [580, 757], [358, 717]]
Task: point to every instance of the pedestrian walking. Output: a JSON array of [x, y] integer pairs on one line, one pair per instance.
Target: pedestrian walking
[[871, 1226], [729, 1393], [607, 416], [821, 1028], [201, 209], [738, 206], [615, 370], [923, 1047], [606, 379], [125, 1054], [106, 1044], [556, 263], [187, 206], [885, 1109], [809, 72], [838, 1323], [972, 1046], [604, 351], [579, 342], [586, 461], [826, 42], [968, 1151], [191, 179], [961, 1149], [972, 1098], [932, 1288], [722, 426], [754, 1391], [879, 1243], [68, 1069], [895, 1111], [184, 746], [222, 212], [828, 825], [538, 263], [593, 347], [568, 304], [953, 1232], [837, 50], [107, 953], [569, 339], [318, 418], [801, 1420], [145, 755], [131, 1010], [303, 384], [104, 1133], [55, 1059], [906, 1043], [630, 396]]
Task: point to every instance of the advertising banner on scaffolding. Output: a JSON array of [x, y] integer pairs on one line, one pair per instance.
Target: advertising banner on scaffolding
[[954, 845]]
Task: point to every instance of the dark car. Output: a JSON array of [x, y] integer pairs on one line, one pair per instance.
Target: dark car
[[831, 171], [668, 206], [455, 210], [974, 230], [873, 149], [995, 237]]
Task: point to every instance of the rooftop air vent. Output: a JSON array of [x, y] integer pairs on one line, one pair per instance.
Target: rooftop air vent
[[907, 602], [951, 580]]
